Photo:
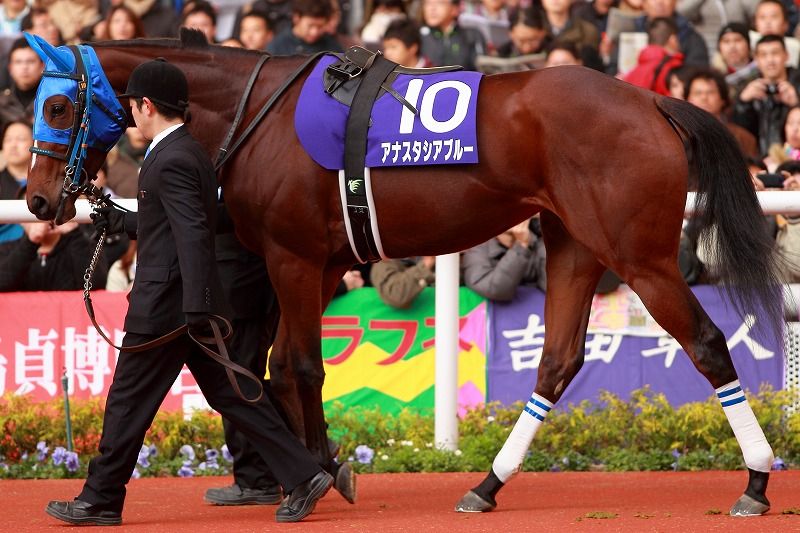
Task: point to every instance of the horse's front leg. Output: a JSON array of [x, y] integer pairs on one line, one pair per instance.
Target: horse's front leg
[[295, 364], [296, 369]]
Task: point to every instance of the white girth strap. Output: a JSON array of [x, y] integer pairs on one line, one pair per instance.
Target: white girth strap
[[373, 214]]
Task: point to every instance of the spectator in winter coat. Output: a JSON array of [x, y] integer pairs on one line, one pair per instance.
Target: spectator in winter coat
[[661, 55], [497, 267]]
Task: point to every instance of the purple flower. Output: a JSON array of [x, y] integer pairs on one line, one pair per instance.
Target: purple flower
[[142, 460], [153, 450], [186, 469], [42, 449], [73, 463], [24, 456], [676, 454], [364, 454], [59, 455], [226, 454], [135, 474], [188, 452], [211, 460], [3, 466], [779, 464]]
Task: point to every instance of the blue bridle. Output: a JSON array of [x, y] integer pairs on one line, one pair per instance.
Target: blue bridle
[[75, 72]]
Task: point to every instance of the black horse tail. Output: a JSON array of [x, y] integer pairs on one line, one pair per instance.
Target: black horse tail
[[728, 215]]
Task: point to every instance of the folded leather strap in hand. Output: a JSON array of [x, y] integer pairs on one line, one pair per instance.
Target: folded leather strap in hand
[[197, 320], [108, 218], [231, 368], [199, 323]]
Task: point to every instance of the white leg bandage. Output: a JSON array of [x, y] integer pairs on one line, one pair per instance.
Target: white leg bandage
[[509, 460], [755, 448]]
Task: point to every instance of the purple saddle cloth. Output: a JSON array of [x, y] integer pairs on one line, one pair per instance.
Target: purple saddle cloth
[[442, 132]]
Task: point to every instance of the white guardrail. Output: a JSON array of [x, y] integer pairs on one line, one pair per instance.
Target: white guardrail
[[446, 421], [16, 211]]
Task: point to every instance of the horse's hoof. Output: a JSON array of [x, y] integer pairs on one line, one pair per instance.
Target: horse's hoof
[[472, 503], [345, 482], [747, 506]]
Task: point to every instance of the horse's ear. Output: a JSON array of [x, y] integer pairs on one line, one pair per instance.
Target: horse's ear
[[191, 38], [47, 51]]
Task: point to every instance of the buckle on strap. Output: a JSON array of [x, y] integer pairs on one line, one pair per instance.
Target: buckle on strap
[[344, 70], [340, 73]]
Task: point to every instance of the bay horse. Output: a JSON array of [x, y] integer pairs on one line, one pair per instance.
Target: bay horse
[[606, 165]]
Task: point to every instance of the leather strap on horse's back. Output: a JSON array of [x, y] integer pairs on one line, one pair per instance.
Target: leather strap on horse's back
[[355, 154], [225, 152]]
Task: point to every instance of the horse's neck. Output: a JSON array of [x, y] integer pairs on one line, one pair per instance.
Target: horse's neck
[[214, 93]]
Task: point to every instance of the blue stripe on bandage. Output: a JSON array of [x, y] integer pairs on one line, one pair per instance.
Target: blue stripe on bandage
[[734, 401], [537, 403], [729, 392], [533, 413]]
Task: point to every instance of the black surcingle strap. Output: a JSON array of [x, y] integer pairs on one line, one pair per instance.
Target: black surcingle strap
[[355, 154]]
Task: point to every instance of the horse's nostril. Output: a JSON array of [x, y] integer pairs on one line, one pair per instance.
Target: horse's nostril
[[39, 205]]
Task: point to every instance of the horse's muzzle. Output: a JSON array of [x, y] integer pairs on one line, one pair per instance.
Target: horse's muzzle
[[39, 206]]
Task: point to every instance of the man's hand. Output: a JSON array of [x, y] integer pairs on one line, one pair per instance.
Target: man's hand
[[787, 93], [108, 218], [197, 320], [755, 90], [36, 231], [521, 233], [353, 280], [199, 324]]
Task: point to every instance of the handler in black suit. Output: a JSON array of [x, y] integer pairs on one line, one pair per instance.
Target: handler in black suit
[[255, 316], [176, 283]]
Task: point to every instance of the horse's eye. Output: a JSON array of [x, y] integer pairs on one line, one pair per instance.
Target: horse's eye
[[58, 109]]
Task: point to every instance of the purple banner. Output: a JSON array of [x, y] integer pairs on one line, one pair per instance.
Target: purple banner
[[624, 351], [442, 132]]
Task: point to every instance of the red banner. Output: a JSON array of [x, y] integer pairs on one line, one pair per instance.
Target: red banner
[[44, 334]]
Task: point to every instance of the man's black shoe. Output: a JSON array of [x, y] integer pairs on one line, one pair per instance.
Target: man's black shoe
[[300, 503], [82, 514], [236, 495]]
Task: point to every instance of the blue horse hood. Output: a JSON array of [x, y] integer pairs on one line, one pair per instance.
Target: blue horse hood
[[104, 131]]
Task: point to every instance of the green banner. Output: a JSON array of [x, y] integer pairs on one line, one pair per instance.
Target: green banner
[[376, 355]]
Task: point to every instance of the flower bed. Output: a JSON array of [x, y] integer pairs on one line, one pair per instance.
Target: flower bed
[[642, 433]]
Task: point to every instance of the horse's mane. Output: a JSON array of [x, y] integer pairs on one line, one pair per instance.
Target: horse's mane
[[190, 39]]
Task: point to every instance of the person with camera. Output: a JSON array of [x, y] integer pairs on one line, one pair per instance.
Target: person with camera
[[497, 267], [763, 104]]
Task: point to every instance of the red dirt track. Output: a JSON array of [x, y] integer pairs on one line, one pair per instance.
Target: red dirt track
[[642, 501]]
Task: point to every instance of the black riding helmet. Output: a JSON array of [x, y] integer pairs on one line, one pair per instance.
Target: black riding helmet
[[160, 81]]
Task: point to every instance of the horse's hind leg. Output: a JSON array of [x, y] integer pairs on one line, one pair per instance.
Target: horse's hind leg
[[675, 308], [572, 275]]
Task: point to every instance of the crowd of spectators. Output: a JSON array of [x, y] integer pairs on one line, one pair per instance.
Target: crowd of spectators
[[736, 59]]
